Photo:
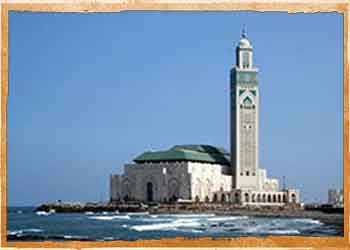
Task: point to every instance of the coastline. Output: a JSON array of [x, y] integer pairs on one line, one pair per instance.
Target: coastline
[[328, 218], [107, 212]]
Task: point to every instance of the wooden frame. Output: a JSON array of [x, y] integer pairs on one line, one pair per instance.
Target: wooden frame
[[250, 242]]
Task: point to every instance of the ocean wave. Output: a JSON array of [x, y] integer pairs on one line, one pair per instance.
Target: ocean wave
[[89, 213], [138, 213], [308, 221], [108, 238], [282, 231], [189, 215], [175, 225], [228, 218], [77, 237], [43, 213], [112, 217], [151, 219], [25, 230]]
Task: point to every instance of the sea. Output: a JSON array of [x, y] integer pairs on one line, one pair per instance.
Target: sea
[[25, 222]]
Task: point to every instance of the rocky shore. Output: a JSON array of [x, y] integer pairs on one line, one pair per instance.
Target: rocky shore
[[331, 218]]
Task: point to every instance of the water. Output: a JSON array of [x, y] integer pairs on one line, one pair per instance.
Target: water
[[24, 221]]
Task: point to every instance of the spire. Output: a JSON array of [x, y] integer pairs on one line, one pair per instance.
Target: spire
[[244, 31]]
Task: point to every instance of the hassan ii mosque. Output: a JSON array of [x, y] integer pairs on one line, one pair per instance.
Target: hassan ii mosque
[[204, 173]]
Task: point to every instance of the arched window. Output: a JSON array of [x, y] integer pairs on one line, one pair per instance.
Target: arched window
[[258, 198], [247, 173], [197, 198], [246, 196], [247, 101], [253, 197], [264, 197], [294, 198], [245, 59], [236, 198], [223, 198], [215, 198], [268, 198], [284, 198], [274, 198], [279, 198]]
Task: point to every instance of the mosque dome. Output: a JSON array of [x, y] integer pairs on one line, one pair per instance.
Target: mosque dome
[[244, 42]]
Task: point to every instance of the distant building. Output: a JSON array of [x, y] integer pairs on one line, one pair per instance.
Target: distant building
[[207, 173], [336, 197]]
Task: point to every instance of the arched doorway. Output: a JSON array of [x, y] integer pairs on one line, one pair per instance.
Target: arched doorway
[[197, 199], [215, 198], [223, 198], [246, 196], [294, 198], [149, 191], [259, 198], [173, 189], [268, 198], [237, 198]]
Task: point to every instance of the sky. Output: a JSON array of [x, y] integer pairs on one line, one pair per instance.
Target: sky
[[90, 92]]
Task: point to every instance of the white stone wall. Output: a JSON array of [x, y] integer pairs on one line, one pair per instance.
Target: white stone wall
[[185, 180], [207, 179]]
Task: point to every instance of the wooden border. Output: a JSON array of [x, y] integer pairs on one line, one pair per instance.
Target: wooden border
[[242, 242]]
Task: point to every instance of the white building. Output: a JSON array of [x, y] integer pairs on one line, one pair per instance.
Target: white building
[[336, 197], [207, 173]]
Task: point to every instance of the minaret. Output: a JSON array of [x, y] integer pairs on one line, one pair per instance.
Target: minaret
[[244, 118]]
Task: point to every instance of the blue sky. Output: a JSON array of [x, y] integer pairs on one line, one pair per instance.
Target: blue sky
[[89, 92]]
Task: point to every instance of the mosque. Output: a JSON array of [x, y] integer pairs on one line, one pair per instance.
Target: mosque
[[205, 173]]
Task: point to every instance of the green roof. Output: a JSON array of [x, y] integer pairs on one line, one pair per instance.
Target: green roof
[[197, 153]]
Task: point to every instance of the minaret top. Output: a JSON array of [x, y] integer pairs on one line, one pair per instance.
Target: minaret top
[[244, 42], [244, 32]]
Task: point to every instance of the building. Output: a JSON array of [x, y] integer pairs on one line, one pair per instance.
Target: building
[[336, 197], [206, 173], [190, 172]]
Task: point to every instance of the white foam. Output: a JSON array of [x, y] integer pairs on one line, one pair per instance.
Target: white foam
[[14, 232], [33, 230], [89, 213], [228, 218], [190, 215], [43, 213], [112, 217], [108, 238], [286, 231], [138, 213], [74, 237], [20, 212], [167, 226], [309, 221], [26, 230]]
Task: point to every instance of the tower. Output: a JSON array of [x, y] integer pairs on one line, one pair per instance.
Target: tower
[[244, 118]]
